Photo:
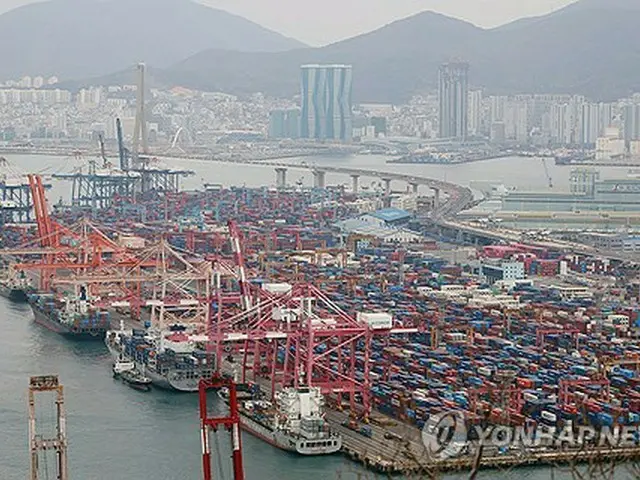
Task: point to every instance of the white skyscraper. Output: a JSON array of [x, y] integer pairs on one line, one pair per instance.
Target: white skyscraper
[[631, 113], [589, 124], [516, 120], [453, 97], [561, 124], [606, 116], [498, 108], [475, 112]]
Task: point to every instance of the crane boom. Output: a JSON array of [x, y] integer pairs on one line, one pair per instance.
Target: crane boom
[[122, 151], [239, 261], [41, 210]]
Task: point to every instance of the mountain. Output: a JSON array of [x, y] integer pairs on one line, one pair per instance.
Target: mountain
[[591, 47], [85, 38], [388, 63]]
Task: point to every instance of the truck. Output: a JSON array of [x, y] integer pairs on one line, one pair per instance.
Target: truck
[[364, 430]]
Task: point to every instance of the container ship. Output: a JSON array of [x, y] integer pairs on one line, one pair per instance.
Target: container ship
[[72, 317], [168, 357], [295, 423]]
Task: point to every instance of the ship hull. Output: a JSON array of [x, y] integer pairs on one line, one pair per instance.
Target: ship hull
[[163, 382], [287, 442], [14, 294], [44, 320]]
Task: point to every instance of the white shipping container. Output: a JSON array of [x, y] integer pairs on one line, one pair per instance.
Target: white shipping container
[[452, 288], [277, 287], [285, 314], [131, 242], [484, 371], [324, 322], [550, 417], [564, 267], [618, 319], [377, 321]]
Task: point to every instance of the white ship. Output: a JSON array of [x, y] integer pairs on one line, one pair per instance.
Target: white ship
[[168, 357], [295, 423]]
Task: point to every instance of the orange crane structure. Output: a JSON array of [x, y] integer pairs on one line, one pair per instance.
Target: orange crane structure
[[78, 248]]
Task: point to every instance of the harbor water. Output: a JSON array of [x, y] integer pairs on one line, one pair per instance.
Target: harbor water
[[118, 433], [526, 174]]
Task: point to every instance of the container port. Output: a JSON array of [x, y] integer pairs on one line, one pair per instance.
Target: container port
[[270, 287]]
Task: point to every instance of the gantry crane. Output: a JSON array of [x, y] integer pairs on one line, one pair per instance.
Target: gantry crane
[[542, 333], [38, 443], [567, 385], [231, 422]]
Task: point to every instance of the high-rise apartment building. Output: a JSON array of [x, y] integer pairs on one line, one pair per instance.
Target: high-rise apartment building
[[453, 95], [475, 113], [631, 115], [561, 124], [589, 124], [498, 108], [284, 123], [326, 102], [606, 116], [516, 121]]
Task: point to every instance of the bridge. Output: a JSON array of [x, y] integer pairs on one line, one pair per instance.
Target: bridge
[[457, 199]]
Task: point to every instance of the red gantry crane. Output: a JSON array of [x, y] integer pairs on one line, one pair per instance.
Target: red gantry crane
[[231, 423]]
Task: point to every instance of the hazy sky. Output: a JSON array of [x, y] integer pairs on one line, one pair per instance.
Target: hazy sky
[[318, 22]]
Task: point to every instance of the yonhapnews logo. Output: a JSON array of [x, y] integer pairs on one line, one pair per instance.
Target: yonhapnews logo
[[445, 435]]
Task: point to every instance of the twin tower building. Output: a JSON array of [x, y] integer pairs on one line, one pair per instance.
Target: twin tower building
[[325, 112]]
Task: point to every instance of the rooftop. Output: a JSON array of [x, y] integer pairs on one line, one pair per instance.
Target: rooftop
[[391, 214]]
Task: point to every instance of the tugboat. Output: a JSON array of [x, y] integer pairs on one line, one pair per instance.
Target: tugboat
[[128, 373], [122, 366], [136, 380], [294, 424]]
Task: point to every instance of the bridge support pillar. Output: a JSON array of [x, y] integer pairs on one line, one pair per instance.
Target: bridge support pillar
[[414, 188], [436, 198], [387, 186], [319, 179], [387, 192], [355, 181], [281, 177]]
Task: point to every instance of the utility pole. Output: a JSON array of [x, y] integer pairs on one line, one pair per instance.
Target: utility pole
[[37, 444]]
